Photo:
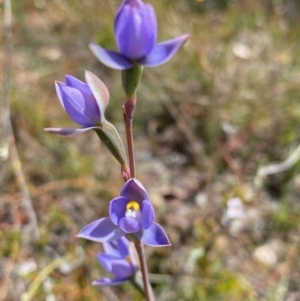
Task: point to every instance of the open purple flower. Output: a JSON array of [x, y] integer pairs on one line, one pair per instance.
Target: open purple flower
[[130, 213], [84, 103], [135, 30], [118, 261]]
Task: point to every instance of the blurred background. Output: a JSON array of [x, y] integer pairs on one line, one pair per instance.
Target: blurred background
[[206, 125]]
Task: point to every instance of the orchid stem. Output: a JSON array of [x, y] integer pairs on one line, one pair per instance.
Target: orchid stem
[[130, 149], [144, 269], [128, 113]]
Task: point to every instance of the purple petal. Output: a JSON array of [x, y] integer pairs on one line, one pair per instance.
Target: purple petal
[[154, 236], [163, 52], [122, 269], [111, 248], [148, 214], [81, 107], [67, 132], [106, 261], [133, 3], [123, 246], [72, 81], [58, 86], [129, 225], [110, 58], [108, 282], [134, 190], [141, 24], [101, 230], [117, 209], [118, 248], [150, 24], [99, 91]]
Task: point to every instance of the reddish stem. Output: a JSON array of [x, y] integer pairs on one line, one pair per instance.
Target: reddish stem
[[144, 269], [128, 113]]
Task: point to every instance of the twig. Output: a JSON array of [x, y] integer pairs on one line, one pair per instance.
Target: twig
[[279, 167], [7, 135]]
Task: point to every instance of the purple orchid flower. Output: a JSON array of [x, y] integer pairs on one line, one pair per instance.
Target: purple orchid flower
[[135, 30], [130, 213], [84, 103], [118, 261]]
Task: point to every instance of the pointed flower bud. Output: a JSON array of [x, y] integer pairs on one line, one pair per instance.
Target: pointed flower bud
[[135, 28], [131, 213], [86, 103]]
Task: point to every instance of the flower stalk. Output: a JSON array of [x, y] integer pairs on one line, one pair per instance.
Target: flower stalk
[[144, 269], [128, 113]]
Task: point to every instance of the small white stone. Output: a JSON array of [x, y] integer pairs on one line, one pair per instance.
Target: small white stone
[[201, 200], [266, 255], [242, 51], [270, 252], [27, 267]]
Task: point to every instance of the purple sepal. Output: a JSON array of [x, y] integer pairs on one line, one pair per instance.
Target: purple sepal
[[99, 91], [134, 190], [123, 247], [117, 208], [129, 225], [79, 105], [136, 3], [72, 81], [117, 248], [163, 52], [140, 22], [106, 260], [101, 230], [148, 214], [110, 58], [69, 132], [154, 236], [122, 269], [108, 282]]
